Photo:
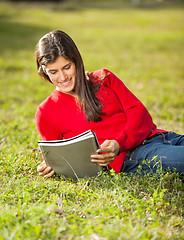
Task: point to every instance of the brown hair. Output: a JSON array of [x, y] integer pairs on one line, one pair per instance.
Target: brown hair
[[58, 43]]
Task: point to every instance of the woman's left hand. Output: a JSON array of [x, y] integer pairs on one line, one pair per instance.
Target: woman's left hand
[[106, 154]]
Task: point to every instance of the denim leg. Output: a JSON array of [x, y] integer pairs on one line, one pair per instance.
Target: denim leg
[[162, 152], [175, 139]]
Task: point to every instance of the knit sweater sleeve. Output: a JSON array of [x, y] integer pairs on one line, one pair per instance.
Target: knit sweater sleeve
[[46, 129], [139, 122]]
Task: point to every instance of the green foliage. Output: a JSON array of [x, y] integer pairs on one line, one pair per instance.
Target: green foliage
[[144, 48]]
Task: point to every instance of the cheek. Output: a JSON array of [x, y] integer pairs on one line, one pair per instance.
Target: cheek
[[73, 71], [52, 78]]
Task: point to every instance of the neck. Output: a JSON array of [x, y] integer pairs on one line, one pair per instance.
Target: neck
[[72, 93]]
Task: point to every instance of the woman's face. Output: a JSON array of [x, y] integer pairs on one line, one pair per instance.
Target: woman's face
[[62, 74]]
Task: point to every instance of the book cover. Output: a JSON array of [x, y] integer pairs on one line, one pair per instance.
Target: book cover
[[71, 157]]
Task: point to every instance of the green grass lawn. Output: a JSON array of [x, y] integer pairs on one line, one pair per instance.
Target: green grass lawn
[[144, 47]]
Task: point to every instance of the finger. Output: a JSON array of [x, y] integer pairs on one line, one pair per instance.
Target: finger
[[103, 156], [105, 149], [105, 143], [41, 167], [103, 146], [102, 150], [46, 170], [106, 161], [104, 164], [43, 163], [49, 174]]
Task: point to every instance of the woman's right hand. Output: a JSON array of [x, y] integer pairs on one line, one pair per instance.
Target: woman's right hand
[[45, 170]]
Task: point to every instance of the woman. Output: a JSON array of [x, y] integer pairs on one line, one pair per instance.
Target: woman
[[101, 102]]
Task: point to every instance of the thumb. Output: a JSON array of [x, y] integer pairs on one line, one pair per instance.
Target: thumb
[[104, 146], [105, 143]]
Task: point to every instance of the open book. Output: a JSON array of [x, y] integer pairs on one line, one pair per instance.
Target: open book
[[71, 157]]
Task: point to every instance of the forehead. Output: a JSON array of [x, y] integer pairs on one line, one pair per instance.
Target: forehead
[[59, 62]]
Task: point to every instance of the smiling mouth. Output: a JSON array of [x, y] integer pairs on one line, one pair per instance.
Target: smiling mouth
[[66, 82]]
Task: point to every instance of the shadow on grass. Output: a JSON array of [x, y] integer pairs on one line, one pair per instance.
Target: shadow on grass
[[79, 5], [72, 5], [15, 37]]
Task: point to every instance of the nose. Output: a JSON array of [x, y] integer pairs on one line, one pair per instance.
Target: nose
[[62, 76]]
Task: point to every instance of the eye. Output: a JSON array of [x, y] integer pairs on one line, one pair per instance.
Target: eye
[[52, 72], [67, 67]]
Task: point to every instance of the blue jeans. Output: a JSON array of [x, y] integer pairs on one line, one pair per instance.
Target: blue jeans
[[163, 151]]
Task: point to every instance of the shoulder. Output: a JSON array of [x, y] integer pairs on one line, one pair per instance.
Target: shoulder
[[101, 73], [105, 77]]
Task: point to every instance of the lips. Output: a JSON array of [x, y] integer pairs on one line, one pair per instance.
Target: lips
[[65, 83]]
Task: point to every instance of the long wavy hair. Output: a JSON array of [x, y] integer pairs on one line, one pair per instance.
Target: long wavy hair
[[58, 43]]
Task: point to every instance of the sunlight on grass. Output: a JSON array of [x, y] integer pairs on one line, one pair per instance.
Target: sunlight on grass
[[144, 47]]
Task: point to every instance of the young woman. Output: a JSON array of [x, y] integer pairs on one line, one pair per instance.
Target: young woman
[[101, 102]]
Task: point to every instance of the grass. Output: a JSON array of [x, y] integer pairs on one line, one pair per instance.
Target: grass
[[144, 47]]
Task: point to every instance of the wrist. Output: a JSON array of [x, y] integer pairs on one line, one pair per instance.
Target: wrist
[[117, 148]]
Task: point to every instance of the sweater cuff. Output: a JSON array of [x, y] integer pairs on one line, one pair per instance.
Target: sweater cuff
[[121, 142]]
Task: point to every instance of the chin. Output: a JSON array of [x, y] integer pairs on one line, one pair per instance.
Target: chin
[[68, 91]]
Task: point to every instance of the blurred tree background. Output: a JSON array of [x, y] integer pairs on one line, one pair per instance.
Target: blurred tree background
[[106, 2]]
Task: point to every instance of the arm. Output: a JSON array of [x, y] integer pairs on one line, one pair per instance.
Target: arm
[[44, 125], [138, 125], [47, 132], [139, 122]]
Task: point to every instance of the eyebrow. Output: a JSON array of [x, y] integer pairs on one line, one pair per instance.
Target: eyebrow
[[50, 70], [67, 65]]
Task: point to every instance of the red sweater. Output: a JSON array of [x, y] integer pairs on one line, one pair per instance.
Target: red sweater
[[126, 120]]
